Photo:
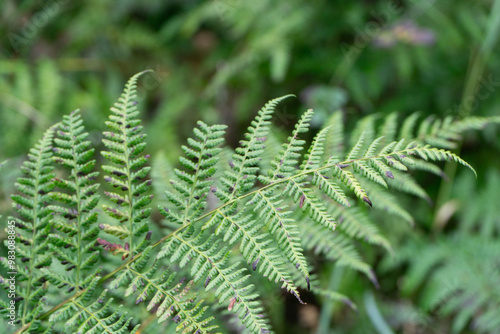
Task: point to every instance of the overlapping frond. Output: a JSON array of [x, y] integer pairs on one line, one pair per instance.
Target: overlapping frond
[[77, 195], [457, 276], [209, 262], [256, 247], [166, 299], [285, 164], [89, 315], [192, 188], [127, 174], [442, 133], [244, 165], [272, 212], [271, 209], [33, 227], [335, 248]]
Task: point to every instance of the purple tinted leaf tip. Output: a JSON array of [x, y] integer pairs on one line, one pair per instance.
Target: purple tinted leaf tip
[[349, 303], [389, 174], [298, 297], [254, 264], [374, 279], [367, 200]]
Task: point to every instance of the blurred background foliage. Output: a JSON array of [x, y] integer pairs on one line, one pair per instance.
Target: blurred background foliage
[[220, 60]]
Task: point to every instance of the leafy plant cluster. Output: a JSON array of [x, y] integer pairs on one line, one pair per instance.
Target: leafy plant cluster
[[90, 260], [454, 275]]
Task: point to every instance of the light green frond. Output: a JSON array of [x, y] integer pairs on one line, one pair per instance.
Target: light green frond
[[79, 196], [193, 186], [335, 142], [335, 247], [164, 297], [313, 158], [271, 209], [256, 247], [366, 128], [209, 262], [355, 223], [389, 128], [245, 161], [33, 225], [125, 143], [285, 164], [88, 315]]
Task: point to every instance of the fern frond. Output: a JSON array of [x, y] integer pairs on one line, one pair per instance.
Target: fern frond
[[210, 263], [364, 128], [385, 201], [126, 142], [285, 163], [356, 224], [246, 158], [33, 225], [335, 248], [167, 300], [442, 133], [259, 219], [478, 210], [313, 158], [458, 276], [75, 251], [335, 142], [88, 315], [271, 209], [255, 247], [389, 129], [328, 185], [192, 188]]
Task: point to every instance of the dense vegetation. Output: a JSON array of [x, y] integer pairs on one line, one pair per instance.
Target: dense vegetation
[[335, 230]]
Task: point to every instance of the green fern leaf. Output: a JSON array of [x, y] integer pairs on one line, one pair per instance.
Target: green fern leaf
[[75, 252], [192, 188], [126, 144], [33, 225]]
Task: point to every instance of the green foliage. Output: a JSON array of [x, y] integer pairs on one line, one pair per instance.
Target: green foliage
[[89, 315], [33, 223], [126, 143], [219, 61], [77, 229], [456, 275], [265, 218]]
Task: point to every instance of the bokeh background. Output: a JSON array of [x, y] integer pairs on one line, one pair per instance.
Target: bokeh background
[[221, 60]]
